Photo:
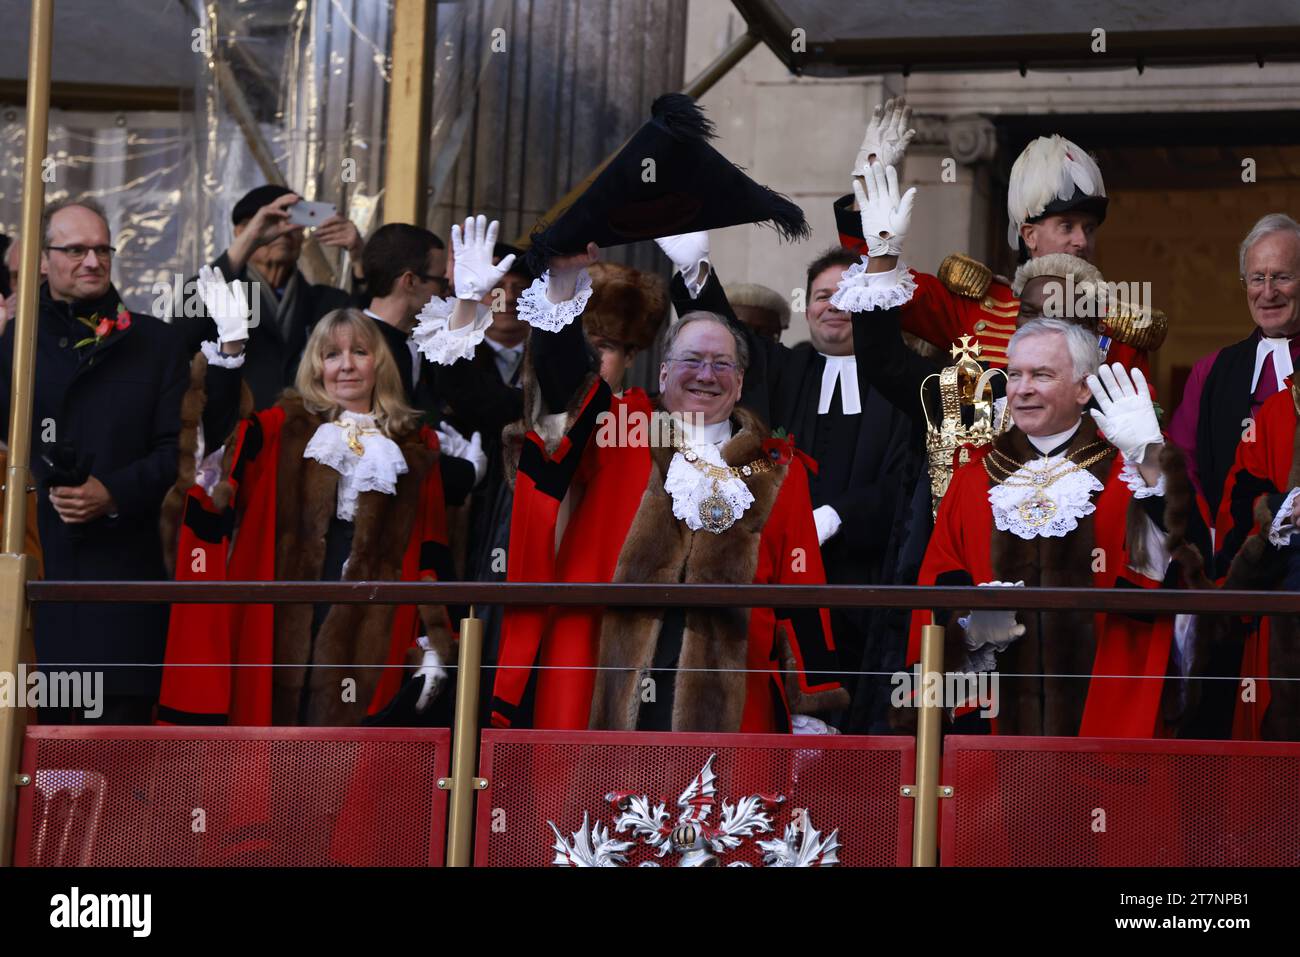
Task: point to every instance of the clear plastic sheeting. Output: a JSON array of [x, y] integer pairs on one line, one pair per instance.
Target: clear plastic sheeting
[[137, 165], [292, 91]]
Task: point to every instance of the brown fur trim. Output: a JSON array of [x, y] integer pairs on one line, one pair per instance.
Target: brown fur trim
[[661, 549], [192, 405], [353, 638], [1054, 643]]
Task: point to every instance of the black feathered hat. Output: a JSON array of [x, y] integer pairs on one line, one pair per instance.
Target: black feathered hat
[[666, 180]]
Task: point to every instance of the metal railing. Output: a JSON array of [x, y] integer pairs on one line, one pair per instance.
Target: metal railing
[[464, 779]]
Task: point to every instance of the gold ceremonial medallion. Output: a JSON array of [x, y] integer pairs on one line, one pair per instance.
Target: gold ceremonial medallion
[[715, 513], [1037, 511]]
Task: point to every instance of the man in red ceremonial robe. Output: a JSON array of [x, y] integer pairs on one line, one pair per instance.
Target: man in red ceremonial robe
[[1056, 201], [1257, 548], [693, 490], [1052, 502]]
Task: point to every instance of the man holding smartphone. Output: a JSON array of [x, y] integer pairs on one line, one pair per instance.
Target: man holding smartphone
[[264, 256]]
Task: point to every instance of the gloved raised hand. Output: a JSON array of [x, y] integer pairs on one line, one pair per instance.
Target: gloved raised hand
[[431, 672], [888, 134], [1125, 414], [226, 304], [991, 626], [885, 215], [456, 445], [686, 251], [473, 274]]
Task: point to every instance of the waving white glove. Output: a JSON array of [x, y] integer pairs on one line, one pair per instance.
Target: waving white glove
[[1127, 416], [885, 216], [225, 303], [992, 627], [887, 136], [431, 672], [473, 274], [690, 254], [471, 449]]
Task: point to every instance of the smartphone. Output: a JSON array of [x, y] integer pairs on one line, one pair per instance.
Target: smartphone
[[304, 213]]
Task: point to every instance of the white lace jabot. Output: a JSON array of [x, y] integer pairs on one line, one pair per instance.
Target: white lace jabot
[[365, 458], [689, 487], [1071, 494]]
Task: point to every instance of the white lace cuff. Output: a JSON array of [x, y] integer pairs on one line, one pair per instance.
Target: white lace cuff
[[540, 313], [1282, 520], [860, 290], [1138, 485], [441, 344], [212, 352]]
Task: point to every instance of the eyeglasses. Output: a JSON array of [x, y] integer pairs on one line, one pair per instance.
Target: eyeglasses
[[721, 368], [1282, 280], [78, 253], [439, 281]]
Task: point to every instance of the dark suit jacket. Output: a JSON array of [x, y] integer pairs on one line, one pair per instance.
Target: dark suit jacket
[[117, 404]]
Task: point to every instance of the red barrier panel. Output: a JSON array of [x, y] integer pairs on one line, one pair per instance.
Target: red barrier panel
[[1106, 802], [277, 797], [848, 785]]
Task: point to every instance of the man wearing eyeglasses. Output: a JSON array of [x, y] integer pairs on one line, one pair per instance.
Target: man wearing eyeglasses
[[105, 420], [1226, 388], [1218, 421]]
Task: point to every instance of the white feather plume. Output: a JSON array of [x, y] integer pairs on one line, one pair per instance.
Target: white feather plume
[[1049, 168]]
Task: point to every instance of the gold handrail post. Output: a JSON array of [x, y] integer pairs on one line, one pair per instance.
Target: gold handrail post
[[464, 748], [925, 819], [15, 567]]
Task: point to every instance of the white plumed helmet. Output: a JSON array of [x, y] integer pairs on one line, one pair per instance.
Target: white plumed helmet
[[1052, 175]]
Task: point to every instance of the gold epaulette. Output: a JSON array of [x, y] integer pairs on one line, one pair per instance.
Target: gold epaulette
[[964, 276], [1137, 329]]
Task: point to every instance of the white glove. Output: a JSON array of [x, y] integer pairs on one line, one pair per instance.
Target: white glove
[[472, 271], [456, 445], [885, 217], [1127, 417], [827, 521], [887, 136], [690, 254], [226, 304], [991, 627], [431, 672], [807, 724]]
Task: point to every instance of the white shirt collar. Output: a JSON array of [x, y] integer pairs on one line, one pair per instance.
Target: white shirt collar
[[1045, 443], [714, 434], [844, 370], [507, 357], [1280, 348]]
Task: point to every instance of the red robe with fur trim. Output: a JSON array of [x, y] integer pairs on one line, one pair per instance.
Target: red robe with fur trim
[[623, 529], [1264, 470], [967, 549], [272, 506]]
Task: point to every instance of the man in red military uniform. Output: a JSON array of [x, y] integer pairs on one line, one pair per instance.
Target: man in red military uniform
[[1056, 200]]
